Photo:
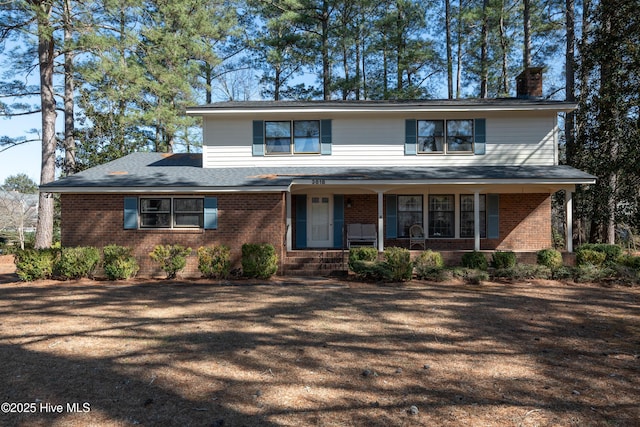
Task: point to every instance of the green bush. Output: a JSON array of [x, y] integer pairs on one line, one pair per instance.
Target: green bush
[[430, 258], [524, 272], [592, 273], [76, 263], [172, 258], [472, 276], [500, 259], [550, 258], [398, 262], [34, 264], [365, 253], [214, 261], [259, 260], [475, 260], [612, 252], [630, 261], [590, 257], [119, 263], [429, 265]]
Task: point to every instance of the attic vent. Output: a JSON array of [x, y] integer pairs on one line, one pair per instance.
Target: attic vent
[[118, 173]]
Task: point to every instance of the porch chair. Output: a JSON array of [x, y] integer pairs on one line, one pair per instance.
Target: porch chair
[[416, 236]]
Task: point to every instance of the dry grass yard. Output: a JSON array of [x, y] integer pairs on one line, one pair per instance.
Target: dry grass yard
[[318, 352]]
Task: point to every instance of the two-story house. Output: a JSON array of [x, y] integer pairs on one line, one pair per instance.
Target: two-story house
[[475, 174]]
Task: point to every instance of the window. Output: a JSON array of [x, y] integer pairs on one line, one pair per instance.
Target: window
[[431, 136], [305, 138], [441, 215], [409, 213], [188, 213], [467, 218], [445, 136], [171, 213], [459, 136]]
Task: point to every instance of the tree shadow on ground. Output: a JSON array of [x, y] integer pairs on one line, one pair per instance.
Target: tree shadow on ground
[[315, 352]]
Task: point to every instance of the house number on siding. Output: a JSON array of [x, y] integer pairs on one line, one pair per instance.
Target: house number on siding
[[317, 181]]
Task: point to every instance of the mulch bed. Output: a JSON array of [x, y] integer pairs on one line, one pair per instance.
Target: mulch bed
[[318, 352]]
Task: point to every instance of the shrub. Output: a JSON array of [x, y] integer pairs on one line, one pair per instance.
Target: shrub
[[119, 263], [630, 261], [428, 265], [214, 261], [398, 262], [362, 254], [259, 260], [430, 258], [471, 276], [501, 259], [34, 264], [475, 260], [550, 258], [612, 252], [590, 257], [524, 272], [592, 273], [75, 263], [172, 258]]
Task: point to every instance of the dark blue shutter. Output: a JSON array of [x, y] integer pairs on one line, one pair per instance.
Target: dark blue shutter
[[410, 137], [392, 217], [325, 137], [480, 142], [258, 138], [301, 221], [493, 216], [130, 213], [210, 213], [338, 220]]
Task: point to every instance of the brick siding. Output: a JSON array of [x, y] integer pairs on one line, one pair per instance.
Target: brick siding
[[97, 220]]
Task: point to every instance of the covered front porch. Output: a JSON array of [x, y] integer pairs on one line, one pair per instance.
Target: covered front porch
[[454, 216]]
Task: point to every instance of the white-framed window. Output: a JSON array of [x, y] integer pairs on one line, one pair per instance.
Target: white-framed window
[[292, 137], [168, 212], [409, 213], [445, 136], [467, 222], [442, 215]]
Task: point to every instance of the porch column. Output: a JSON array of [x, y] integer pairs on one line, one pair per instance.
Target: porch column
[[288, 232], [476, 221], [380, 222], [568, 204]]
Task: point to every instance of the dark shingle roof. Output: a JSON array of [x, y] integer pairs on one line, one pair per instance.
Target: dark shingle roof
[[184, 172]]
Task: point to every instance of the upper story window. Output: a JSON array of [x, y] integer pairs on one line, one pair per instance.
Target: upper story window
[[445, 136], [292, 137]]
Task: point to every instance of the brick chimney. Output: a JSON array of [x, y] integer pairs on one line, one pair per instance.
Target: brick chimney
[[529, 83]]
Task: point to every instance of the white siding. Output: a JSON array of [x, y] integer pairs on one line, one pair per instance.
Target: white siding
[[517, 139]]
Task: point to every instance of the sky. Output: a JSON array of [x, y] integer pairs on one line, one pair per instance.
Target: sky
[[23, 158]]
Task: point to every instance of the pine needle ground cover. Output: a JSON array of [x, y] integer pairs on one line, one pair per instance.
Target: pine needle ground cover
[[319, 352]]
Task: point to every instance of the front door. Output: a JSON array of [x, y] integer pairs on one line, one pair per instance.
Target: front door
[[320, 223]]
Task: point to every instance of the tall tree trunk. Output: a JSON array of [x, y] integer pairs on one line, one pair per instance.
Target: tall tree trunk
[[526, 49], [484, 47], [447, 25], [504, 45], [459, 53], [326, 68], [69, 84], [44, 230], [570, 90]]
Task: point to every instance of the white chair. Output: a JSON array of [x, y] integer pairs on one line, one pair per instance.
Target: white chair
[[416, 236]]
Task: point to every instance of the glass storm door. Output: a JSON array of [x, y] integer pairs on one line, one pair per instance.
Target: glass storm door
[[319, 225]]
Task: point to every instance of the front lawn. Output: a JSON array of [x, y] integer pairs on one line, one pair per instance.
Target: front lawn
[[319, 352]]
